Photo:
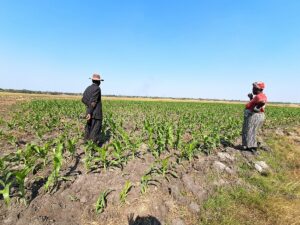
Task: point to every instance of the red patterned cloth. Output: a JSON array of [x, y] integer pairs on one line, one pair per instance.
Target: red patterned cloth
[[259, 85], [260, 98]]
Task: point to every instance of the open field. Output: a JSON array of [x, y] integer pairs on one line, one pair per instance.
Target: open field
[[26, 97], [168, 162]]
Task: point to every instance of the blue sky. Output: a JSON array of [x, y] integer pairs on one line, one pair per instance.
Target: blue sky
[[184, 48]]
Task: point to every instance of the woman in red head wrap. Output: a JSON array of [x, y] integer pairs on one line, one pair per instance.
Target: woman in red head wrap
[[254, 116]]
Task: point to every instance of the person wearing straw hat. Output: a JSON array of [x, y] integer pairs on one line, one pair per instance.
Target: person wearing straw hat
[[92, 100], [254, 116]]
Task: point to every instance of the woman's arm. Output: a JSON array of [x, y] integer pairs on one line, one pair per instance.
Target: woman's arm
[[258, 106]]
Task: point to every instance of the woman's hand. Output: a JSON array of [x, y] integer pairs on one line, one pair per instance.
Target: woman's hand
[[250, 95], [88, 117]]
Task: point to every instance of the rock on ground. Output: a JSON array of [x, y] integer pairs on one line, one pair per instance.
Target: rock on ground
[[178, 222], [221, 167], [224, 157], [262, 167]]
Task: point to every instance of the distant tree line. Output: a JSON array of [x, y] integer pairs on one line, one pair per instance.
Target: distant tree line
[[24, 91], [123, 96]]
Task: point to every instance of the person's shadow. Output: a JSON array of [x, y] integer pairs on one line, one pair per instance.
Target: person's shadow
[[147, 220]]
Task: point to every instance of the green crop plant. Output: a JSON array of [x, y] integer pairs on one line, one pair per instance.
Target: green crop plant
[[57, 164], [135, 148], [124, 137], [118, 152], [178, 135], [31, 153], [89, 156], [164, 168], [124, 192], [103, 158], [146, 180], [169, 136], [71, 146], [161, 142], [5, 189], [150, 130], [188, 151], [11, 139], [2, 121], [20, 179], [101, 203], [159, 127]]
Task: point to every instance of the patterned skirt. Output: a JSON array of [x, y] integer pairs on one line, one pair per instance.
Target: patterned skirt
[[252, 123]]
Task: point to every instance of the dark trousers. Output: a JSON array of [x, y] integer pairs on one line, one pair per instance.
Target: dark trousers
[[93, 130]]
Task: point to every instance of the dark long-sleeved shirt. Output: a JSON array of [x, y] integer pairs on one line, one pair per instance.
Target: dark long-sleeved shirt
[[92, 99]]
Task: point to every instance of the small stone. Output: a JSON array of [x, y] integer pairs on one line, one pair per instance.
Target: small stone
[[175, 192], [229, 171], [220, 183], [279, 132], [178, 222], [265, 148], [230, 149], [194, 207], [221, 167], [224, 156], [83, 200], [262, 167], [143, 147], [199, 192], [163, 210], [291, 133], [170, 205], [9, 220]]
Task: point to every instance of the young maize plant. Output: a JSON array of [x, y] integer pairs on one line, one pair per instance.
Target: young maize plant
[[71, 146], [169, 137], [57, 164], [89, 156], [161, 142], [118, 153], [124, 192], [146, 181], [29, 155], [178, 135], [2, 121], [5, 191], [102, 157], [135, 148], [11, 139], [188, 151], [150, 131], [122, 135], [210, 142], [164, 168], [20, 179], [110, 123], [101, 203]]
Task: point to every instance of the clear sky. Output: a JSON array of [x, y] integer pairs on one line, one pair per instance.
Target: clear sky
[[184, 48]]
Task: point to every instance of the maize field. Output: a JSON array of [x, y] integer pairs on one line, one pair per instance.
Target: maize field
[[171, 132]]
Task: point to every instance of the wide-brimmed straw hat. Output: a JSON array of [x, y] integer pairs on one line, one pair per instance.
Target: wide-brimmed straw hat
[[96, 77]]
